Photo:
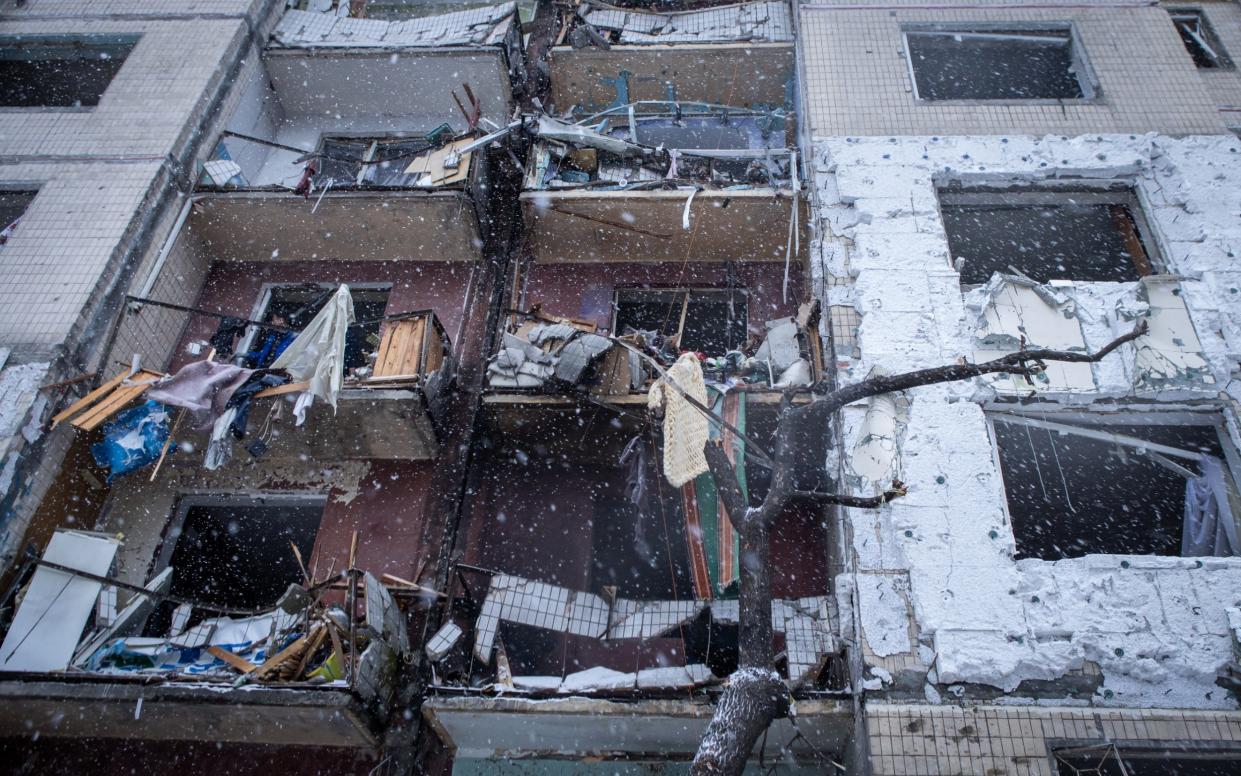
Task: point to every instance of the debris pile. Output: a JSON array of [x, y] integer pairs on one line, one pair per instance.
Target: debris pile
[[309, 636], [488, 25], [755, 22], [805, 623], [670, 144], [542, 351]]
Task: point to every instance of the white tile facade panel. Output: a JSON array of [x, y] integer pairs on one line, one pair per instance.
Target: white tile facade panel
[[857, 77]]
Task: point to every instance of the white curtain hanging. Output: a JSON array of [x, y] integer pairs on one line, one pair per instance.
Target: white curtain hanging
[[1210, 528]]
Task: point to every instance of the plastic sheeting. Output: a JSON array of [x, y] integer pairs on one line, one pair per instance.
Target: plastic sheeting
[[133, 439]]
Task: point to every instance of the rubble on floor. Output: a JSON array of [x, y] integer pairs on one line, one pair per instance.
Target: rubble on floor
[[805, 623], [752, 22], [67, 621], [654, 145], [540, 350], [484, 26]]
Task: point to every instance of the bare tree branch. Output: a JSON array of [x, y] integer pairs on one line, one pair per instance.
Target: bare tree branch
[[897, 490], [1025, 362], [755, 697]]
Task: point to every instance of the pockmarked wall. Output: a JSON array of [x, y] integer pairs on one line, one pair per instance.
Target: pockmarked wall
[[937, 585]]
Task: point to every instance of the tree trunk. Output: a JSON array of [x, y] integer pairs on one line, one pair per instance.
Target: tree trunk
[[753, 698], [755, 635]]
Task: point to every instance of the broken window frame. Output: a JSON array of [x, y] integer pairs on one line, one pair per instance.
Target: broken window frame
[[1138, 750], [1087, 82], [1052, 194], [1196, 30], [71, 49], [367, 162], [259, 310], [1054, 417], [13, 200], [742, 295], [175, 523]]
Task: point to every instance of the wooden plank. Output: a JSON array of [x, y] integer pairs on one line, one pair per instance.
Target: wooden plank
[[115, 401], [435, 351], [236, 661], [316, 639], [391, 349], [396, 348], [275, 660], [280, 390], [401, 349], [109, 406], [411, 362], [163, 453], [88, 399]]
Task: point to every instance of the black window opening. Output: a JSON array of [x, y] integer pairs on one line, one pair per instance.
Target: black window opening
[[294, 306], [639, 553], [715, 320], [1071, 495], [1110, 760], [375, 161], [13, 206], [238, 555], [1199, 39], [996, 64], [59, 73], [1086, 236]]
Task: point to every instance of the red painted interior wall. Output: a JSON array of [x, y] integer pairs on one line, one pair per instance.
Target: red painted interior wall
[[584, 291]]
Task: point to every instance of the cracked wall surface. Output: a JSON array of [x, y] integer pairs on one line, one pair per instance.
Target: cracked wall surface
[[936, 580]]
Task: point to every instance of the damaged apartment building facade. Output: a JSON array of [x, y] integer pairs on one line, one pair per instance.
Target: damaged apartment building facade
[[337, 431]]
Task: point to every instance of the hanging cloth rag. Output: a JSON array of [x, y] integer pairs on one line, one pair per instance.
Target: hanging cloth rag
[[226, 335], [685, 427], [317, 355], [203, 388], [714, 547], [1210, 528], [244, 396]]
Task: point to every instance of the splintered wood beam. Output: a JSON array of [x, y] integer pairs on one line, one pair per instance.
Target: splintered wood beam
[[236, 661]]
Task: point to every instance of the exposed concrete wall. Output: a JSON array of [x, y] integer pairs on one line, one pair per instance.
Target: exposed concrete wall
[[936, 579], [858, 78]]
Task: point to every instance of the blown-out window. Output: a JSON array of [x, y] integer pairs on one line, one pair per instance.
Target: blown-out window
[[1199, 39], [1112, 760], [1087, 483], [709, 321], [13, 206], [1047, 235], [234, 551], [294, 306], [59, 72], [982, 63], [377, 161]]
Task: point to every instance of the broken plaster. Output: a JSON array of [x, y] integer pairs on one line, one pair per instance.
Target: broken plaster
[[1156, 626]]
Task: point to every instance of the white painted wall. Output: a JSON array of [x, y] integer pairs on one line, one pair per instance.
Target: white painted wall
[[938, 564]]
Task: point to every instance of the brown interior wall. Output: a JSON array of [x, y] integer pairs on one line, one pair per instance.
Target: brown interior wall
[[737, 74], [233, 288], [585, 291], [388, 512]]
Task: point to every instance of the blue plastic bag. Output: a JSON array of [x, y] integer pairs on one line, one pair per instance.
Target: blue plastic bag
[[133, 439]]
